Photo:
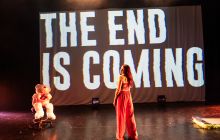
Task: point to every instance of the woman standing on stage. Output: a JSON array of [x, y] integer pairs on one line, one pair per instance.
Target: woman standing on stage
[[124, 105]]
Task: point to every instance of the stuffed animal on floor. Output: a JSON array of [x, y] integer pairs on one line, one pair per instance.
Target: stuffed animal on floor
[[41, 99]]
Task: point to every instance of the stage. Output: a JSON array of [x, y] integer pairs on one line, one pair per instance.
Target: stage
[[172, 121]]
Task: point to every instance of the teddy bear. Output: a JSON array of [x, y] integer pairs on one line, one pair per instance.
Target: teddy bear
[[41, 99]]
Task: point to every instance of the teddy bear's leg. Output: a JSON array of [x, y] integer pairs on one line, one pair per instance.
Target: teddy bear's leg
[[39, 110], [50, 113]]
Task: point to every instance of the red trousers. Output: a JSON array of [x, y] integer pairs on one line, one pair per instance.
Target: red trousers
[[125, 116]]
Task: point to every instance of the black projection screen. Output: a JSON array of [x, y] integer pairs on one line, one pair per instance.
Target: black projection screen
[[82, 51]]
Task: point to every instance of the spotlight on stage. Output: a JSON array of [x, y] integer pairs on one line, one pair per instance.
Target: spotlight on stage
[[95, 103], [161, 99]]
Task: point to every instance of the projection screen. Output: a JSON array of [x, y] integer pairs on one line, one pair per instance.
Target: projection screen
[[81, 53]]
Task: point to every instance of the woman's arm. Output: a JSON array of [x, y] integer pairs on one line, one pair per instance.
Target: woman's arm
[[118, 89]]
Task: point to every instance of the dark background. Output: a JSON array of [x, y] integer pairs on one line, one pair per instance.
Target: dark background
[[19, 43]]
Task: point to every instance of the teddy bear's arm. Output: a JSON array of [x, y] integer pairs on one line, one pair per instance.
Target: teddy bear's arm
[[49, 96]]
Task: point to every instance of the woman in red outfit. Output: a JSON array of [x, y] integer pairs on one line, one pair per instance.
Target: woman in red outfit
[[124, 105]]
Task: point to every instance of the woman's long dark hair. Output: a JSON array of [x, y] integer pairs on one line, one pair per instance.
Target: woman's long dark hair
[[127, 74]]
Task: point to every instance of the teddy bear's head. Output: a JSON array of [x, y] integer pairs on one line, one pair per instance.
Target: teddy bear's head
[[40, 88]]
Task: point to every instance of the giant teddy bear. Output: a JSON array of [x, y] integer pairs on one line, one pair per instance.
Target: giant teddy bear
[[41, 99]]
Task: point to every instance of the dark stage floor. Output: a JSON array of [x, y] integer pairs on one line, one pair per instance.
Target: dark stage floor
[[172, 122]]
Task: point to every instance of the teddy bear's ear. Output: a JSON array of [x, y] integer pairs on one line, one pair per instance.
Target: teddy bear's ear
[[47, 88], [37, 86]]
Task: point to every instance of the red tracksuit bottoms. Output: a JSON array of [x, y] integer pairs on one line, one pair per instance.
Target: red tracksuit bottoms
[[125, 116]]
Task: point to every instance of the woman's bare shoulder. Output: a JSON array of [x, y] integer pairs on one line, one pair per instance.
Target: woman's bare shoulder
[[122, 78]]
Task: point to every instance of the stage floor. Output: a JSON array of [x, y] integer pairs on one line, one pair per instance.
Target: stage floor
[[154, 122]]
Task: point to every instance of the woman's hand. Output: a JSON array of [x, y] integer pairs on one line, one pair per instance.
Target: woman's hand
[[114, 102]]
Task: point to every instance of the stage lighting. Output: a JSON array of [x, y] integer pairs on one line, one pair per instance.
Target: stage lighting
[[161, 99], [95, 102]]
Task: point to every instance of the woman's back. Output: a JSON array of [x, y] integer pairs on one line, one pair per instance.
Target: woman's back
[[125, 84]]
